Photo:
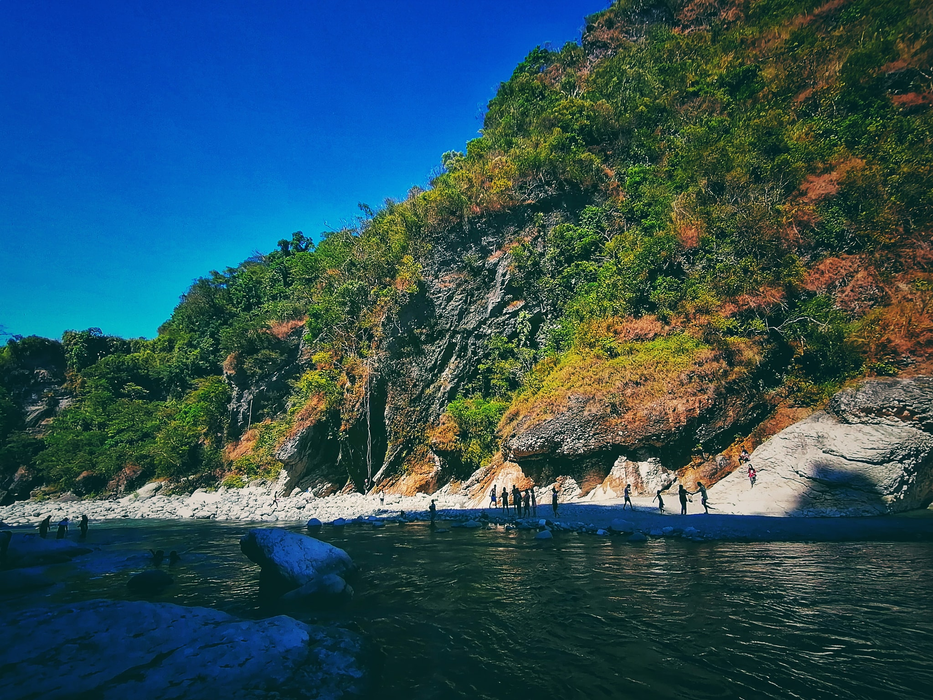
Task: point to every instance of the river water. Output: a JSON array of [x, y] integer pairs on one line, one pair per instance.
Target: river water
[[487, 614]]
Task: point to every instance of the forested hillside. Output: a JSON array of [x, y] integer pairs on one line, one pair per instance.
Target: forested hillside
[[703, 212]]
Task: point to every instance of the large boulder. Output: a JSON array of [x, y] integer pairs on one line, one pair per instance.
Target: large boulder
[[108, 649], [32, 550], [290, 560], [869, 452]]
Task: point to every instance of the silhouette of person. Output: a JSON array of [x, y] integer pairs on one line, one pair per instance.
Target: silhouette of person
[[534, 501], [628, 497], [44, 526], [659, 500], [173, 558], [701, 489], [554, 499], [517, 501], [433, 509], [83, 525], [505, 500], [527, 501], [157, 556], [682, 494], [492, 497], [62, 529]]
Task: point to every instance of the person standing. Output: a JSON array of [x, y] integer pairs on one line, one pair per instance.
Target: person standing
[[492, 497], [433, 509], [44, 526], [554, 499], [62, 529], [660, 501], [534, 502], [701, 489], [517, 501], [628, 497], [505, 500], [752, 475], [682, 494], [526, 498], [83, 526]]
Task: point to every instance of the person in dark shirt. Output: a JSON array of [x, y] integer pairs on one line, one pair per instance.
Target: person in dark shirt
[[534, 502], [83, 526], [526, 497], [44, 526], [682, 494], [505, 500], [62, 529], [554, 499], [659, 500], [517, 501], [433, 509]]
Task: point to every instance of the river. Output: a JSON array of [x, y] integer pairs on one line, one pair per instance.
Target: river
[[487, 614]]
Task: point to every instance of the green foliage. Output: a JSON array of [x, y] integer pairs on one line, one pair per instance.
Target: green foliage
[[476, 420]]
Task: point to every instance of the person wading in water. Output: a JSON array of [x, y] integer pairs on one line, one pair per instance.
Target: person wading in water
[[505, 500], [44, 526], [433, 509], [554, 499]]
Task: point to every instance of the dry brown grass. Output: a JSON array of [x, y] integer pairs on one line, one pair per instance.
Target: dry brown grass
[[242, 447], [283, 329], [308, 415]]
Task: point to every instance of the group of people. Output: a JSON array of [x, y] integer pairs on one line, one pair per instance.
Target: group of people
[[63, 524], [524, 503]]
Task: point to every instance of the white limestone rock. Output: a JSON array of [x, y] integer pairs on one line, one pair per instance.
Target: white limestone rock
[[114, 650], [869, 453]]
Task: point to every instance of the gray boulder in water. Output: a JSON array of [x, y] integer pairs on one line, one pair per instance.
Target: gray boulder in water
[[290, 560], [151, 581], [117, 649], [869, 452], [32, 550]]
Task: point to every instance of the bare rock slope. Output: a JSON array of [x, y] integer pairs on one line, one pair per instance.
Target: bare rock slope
[[869, 452]]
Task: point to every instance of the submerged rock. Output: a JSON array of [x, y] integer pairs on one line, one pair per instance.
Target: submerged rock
[[115, 650], [325, 589], [151, 581], [290, 560], [622, 526], [544, 535]]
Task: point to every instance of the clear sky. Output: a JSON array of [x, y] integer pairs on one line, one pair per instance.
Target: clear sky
[[143, 144]]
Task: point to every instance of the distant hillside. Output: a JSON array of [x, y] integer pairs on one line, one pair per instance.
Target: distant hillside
[[699, 219]]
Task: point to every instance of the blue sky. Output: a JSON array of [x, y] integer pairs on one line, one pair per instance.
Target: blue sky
[[146, 143]]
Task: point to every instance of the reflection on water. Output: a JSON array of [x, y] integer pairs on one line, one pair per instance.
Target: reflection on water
[[471, 614]]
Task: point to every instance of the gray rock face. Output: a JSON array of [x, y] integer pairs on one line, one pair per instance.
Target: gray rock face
[[870, 452], [290, 560], [105, 649], [32, 550]]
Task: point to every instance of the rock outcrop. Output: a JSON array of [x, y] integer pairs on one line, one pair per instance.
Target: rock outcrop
[[106, 649], [290, 561], [869, 452]]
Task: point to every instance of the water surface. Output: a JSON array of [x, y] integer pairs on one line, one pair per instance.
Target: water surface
[[487, 614]]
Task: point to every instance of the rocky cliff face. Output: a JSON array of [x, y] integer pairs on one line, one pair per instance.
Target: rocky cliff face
[[869, 452]]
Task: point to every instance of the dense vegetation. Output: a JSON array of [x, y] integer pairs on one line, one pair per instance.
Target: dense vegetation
[[710, 178]]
